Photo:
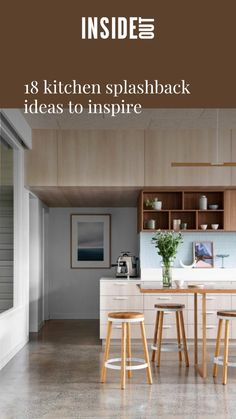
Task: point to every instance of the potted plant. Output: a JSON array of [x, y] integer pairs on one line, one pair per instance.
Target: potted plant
[[153, 204], [167, 244]]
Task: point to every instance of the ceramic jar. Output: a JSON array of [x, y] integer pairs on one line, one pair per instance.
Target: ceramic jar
[[176, 225], [157, 205], [203, 203], [151, 224]]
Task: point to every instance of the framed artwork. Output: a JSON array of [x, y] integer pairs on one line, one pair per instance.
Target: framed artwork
[[203, 254], [90, 240]]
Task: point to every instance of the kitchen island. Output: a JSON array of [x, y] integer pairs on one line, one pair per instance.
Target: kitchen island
[[125, 295], [217, 289]]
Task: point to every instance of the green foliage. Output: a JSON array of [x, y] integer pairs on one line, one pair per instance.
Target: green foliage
[[167, 244], [150, 202]]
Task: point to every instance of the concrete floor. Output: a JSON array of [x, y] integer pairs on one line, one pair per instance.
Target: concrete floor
[[56, 376]]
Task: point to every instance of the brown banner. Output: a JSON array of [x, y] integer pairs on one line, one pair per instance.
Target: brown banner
[[194, 41]]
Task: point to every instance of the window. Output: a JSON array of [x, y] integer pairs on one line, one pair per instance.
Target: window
[[6, 225]]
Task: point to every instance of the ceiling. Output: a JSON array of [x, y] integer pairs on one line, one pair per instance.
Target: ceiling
[[87, 196], [106, 197], [148, 119]]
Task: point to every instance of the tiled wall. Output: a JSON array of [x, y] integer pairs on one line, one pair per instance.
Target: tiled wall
[[224, 243]]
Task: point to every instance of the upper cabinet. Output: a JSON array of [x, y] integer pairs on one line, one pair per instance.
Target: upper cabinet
[[101, 158], [233, 139], [162, 147], [41, 161], [129, 158], [230, 210]]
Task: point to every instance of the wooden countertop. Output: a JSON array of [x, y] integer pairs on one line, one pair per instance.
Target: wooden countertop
[[150, 288]]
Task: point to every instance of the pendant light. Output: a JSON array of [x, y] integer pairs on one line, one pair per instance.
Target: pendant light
[[215, 163]]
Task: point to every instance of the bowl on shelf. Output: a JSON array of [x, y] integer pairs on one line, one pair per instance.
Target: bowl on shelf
[[203, 226], [214, 226], [213, 206]]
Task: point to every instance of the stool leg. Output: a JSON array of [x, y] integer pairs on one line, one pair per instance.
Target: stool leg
[[178, 334], [226, 353], [160, 325], [217, 351], [129, 348], [106, 353], [155, 336], [123, 355], [184, 338], [145, 348]]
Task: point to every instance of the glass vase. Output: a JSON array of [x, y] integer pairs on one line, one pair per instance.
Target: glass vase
[[167, 275]]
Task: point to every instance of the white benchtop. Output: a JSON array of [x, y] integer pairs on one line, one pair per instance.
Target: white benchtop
[[187, 274], [192, 274], [113, 278]]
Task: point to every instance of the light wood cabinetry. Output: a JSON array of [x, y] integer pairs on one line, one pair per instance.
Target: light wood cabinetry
[[214, 302], [41, 161], [125, 302], [169, 325], [123, 295], [118, 295], [230, 210], [128, 158], [184, 205], [162, 147], [101, 158], [233, 156], [119, 288]]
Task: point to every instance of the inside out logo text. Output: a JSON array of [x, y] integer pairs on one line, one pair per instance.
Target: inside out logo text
[[117, 28]]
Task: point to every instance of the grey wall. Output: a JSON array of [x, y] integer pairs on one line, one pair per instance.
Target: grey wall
[[74, 293]]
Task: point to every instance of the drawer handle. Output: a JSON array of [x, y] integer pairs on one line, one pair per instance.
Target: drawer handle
[[120, 298], [210, 327], [121, 284], [117, 327], [167, 327], [210, 298], [164, 298], [210, 313]]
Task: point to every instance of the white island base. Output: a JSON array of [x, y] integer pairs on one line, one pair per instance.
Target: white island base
[[124, 295]]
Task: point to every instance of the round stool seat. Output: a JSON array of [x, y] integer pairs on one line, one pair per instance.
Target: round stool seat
[[126, 315], [226, 313], [125, 320], [170, 306]]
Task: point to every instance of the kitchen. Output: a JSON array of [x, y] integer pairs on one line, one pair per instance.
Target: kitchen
[[79, 168]]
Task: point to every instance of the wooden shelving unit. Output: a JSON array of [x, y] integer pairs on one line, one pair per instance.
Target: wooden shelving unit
[[184, 205]]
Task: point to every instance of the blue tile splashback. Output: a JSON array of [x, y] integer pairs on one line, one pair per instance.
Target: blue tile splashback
[[223, 243]]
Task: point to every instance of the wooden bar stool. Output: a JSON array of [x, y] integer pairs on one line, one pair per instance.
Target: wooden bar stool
[[158, 346], [126, 319], [226, 315]]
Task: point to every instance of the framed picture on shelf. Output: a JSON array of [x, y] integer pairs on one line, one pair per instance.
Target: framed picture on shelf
[[203, 254], [90, 240]]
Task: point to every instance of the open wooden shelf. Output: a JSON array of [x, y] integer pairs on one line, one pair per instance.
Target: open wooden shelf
[[184, 205]]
